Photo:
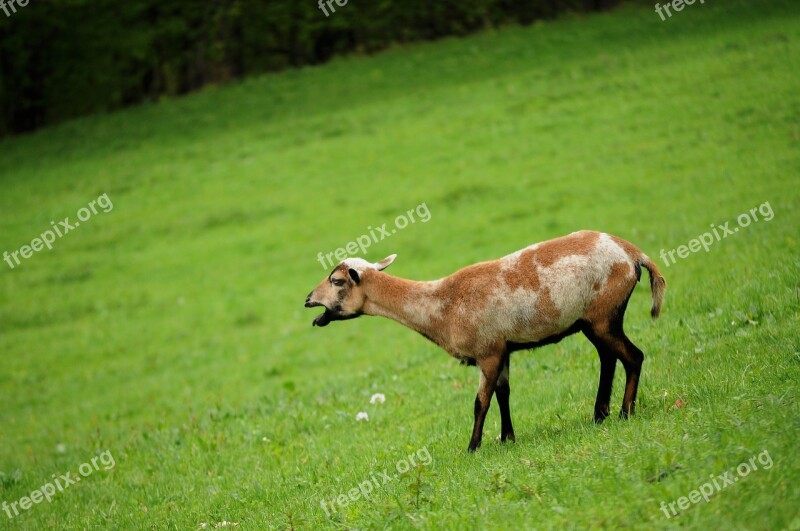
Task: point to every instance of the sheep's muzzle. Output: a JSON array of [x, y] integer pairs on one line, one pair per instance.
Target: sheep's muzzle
[[323, 319]]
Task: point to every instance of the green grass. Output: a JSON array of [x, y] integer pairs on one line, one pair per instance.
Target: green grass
[[170, 331]]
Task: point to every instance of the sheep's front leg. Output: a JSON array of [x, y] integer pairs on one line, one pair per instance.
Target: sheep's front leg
[[502, 392], [490, 372]]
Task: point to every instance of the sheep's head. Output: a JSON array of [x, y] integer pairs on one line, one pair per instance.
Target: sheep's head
[[342, 293]]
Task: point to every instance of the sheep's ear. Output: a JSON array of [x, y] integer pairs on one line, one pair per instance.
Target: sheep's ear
[[354, 275], [383, 264]]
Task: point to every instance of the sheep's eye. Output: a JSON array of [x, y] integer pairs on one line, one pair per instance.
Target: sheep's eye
[[337, 282]]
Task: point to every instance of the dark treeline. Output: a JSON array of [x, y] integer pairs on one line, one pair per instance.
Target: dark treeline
[[65, 58]]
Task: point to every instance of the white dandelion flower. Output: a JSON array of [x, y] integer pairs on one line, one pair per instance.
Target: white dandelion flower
[[377, 398]]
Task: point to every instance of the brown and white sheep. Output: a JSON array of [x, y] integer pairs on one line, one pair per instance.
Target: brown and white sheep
[[484, 312]]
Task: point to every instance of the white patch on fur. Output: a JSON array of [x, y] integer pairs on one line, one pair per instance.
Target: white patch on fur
[[427, 307], [513, 310], [570, 282], [572, 279], [610, 252], [359, 264]]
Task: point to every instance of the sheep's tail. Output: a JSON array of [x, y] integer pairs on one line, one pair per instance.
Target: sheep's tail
[[658, 286]]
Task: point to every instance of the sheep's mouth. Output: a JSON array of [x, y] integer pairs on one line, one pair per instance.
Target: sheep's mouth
[[324, 318], [321, 320], [328, 316]]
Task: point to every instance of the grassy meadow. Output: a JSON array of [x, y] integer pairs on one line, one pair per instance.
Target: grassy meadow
[[170, 331]]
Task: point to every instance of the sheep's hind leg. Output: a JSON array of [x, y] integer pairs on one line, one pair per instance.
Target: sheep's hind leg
[[610, 340], [490, 372], [502, 392], [608, 365], [632, 360]]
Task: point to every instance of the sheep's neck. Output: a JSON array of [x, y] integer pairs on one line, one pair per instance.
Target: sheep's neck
[[410, 303]]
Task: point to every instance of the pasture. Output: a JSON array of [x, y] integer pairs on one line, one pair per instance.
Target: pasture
[[170, 331]]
